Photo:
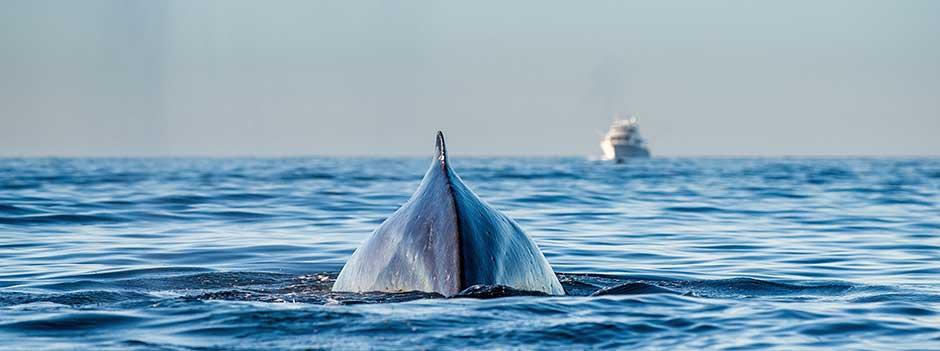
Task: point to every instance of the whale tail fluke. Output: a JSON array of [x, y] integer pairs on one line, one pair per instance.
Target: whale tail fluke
[[445, 239]]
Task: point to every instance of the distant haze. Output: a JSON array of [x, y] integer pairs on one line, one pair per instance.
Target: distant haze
[[140, 78]]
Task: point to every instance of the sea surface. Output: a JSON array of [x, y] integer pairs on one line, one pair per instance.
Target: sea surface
[[665, 253]]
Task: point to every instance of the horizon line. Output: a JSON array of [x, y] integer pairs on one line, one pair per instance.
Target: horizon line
[[591, 156]]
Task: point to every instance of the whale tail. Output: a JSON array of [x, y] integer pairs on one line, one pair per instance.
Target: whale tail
[[445, 239]]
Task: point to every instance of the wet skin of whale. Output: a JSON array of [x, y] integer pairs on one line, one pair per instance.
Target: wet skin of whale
[[445, 239]]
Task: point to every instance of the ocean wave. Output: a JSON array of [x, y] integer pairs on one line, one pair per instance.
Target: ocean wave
[[678, 253]]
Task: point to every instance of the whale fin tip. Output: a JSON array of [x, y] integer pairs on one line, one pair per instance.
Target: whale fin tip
[[441, 148]]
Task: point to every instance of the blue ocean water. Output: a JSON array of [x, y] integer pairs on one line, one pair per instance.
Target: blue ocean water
[[682, 253]]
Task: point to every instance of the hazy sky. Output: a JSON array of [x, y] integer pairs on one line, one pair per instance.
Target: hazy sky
[[500, 78]]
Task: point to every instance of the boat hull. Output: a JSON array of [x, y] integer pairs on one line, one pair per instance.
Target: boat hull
[[620, 153]]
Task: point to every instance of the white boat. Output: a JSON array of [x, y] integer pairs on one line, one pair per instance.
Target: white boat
[[623, 141]]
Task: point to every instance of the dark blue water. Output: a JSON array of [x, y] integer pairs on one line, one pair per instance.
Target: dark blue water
[[684, 253]]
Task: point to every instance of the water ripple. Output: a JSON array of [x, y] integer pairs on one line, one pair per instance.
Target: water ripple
[[668, 253]]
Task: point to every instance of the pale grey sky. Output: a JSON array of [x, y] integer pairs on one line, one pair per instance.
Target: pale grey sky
[[115, 78]]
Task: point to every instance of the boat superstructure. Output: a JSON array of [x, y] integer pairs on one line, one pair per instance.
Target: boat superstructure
[[623, 141]]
